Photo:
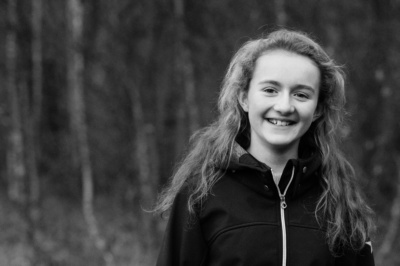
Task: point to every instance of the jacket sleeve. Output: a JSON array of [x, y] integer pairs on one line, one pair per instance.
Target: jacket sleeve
[[183, 242], [364, 257]]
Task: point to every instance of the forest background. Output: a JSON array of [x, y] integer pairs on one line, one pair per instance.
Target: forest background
[[98, 100]]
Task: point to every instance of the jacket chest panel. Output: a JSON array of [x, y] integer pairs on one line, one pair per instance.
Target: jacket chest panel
[[248, 223]]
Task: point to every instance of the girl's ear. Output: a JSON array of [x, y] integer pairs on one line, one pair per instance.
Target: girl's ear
[[317, 114], [243, 101]]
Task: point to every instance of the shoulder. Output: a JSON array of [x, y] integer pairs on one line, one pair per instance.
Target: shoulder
[[363, 257]]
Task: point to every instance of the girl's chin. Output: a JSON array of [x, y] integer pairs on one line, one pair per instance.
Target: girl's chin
[[283, 143]]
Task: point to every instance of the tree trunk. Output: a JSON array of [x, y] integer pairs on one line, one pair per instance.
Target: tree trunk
[[75, 71], [146, 170], [187, 113], [34, 114], [32, 111], [37, 97], [393, 223], [16, 170], [386, 154], [281, 16]]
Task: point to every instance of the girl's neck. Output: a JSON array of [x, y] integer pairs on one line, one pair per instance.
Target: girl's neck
[[274, 158]]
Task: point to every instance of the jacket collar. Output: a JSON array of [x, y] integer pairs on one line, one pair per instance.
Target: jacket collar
[[306, 175]]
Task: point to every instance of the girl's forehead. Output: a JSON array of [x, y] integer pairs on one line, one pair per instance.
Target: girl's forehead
[[282, 65]]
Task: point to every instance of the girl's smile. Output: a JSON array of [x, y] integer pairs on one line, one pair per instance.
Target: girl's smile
[[281, 101], [278, 122]]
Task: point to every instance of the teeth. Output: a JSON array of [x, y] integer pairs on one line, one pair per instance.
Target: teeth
[[279, 122]]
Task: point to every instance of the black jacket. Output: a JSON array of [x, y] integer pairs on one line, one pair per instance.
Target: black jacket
[[247, 221]]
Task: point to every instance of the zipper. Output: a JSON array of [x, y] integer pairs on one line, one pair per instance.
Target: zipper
[[283, 206]]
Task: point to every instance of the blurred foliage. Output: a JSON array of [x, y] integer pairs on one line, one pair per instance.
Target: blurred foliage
[[134, 45]]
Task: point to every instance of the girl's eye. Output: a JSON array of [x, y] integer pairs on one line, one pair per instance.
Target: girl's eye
[[301, 95], [269, 90]]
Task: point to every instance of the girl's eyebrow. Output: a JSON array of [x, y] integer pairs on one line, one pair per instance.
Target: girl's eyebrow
[[278, 84], [272, 82]]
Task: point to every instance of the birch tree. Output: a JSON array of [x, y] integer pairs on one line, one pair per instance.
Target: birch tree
[[75, 70], [385, 70], [389, 239], [187, 112], [281, 16], [32, 113], [16, 170], [145, 172]]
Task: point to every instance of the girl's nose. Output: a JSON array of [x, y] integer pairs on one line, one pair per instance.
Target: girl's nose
[[283, 105]]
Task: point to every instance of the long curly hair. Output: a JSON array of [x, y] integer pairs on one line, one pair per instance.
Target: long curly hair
[[349, 219]]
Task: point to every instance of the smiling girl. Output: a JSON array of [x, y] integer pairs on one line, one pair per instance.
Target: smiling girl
[[266, 184]]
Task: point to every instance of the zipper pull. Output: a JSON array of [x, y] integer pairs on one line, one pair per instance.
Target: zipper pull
[[283, 202]]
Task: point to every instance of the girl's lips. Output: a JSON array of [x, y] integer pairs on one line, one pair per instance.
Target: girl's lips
[[278, 122]]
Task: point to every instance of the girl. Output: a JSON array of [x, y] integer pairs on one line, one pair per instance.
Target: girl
[[266, 184]]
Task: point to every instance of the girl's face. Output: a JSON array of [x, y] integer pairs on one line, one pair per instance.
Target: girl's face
[[281, 101]]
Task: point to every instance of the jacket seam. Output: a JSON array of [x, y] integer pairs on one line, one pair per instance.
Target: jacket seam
[[230, 228], [307, 227]]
